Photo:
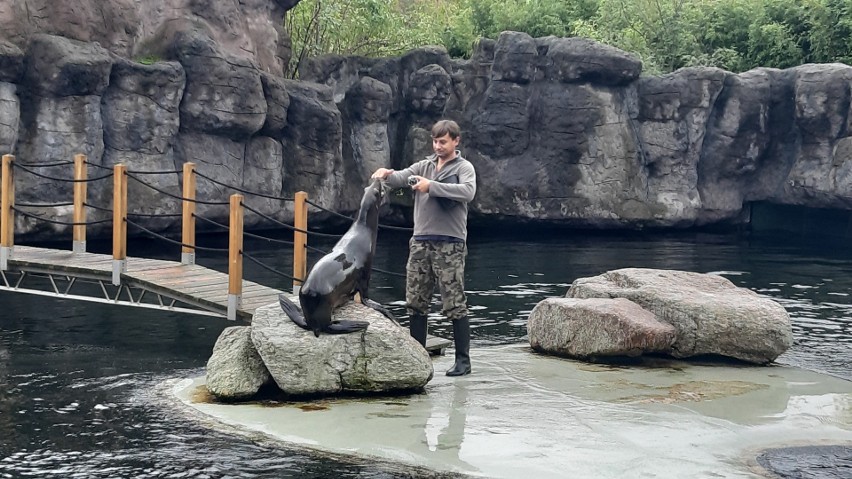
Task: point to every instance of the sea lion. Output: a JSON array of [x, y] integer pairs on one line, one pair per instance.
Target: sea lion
[[340, 274]]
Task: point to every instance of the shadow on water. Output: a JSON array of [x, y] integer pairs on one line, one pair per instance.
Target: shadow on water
[[76, 378]]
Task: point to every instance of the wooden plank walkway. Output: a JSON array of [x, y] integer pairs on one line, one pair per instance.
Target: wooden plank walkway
[[189, 283]]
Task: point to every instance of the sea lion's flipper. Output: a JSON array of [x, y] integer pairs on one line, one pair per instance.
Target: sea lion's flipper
[[346, 326], [293, 311], [378, 307]]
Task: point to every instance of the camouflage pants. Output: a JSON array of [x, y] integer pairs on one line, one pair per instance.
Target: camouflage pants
[[431, 261]]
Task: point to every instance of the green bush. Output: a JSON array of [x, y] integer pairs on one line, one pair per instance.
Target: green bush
[[667, 34]]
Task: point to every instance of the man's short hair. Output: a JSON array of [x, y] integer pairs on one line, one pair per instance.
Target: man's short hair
[[446, 127]]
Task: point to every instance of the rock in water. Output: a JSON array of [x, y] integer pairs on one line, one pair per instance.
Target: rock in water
[[383, 358]]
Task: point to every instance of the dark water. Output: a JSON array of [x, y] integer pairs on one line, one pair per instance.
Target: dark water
[[76, 378]]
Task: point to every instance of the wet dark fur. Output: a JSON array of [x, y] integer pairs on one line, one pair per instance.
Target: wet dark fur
[[340, 274]]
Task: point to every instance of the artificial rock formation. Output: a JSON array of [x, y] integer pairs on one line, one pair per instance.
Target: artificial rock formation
[[701, 314], [562, 131]]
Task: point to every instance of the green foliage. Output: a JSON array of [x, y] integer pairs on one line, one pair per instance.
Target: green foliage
[[666, 34], [373, 28], [148, 59]]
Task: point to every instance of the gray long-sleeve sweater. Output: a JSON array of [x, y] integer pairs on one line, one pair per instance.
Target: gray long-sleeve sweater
[[431, 217]]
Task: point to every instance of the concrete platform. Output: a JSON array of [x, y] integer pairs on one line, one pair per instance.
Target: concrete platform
[[523, 415]]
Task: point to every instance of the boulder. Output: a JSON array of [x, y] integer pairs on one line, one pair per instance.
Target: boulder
[[577, 59], [428, 90], [313, 141], [709, 313], [63, 67], [366, 110], [277, 103], [10, 115], [514, 58], [253, 29], [383, 358], [141, 121], [223, 95], [587, 328], [235, 370], [11, 62], [673, 113]]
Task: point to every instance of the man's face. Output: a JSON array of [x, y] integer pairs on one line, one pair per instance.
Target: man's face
[[445, 146]]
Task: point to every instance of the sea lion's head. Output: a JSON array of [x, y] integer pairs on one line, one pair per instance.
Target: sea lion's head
[[377, 192]]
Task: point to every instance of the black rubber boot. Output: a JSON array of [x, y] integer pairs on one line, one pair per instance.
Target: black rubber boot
[[417, 326], [461, 337]]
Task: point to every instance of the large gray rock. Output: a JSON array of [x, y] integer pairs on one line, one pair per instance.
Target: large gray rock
[[579, 59], [11, 62], [737, 142], [216, 157], [429, 89], [141, 106], [251, 29], [366, 111], [277, 103], [141, 123], [263, 172], [224, 94], [383, 358], [313, 142], [596, 327], [514, 58], [235, 370], [710, 314], [63, 67], [673, 113], [10, 115], [822, 99]]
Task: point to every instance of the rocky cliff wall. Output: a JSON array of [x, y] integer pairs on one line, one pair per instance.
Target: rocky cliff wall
[[561, 130], [565, 131]]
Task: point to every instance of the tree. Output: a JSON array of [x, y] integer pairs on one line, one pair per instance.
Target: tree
[[373, 28]]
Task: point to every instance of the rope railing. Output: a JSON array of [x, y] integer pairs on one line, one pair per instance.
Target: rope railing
[[45, 205], [241, 190], [350, 218], [63, 180], [59, 222], [95, 165], [45, 165], [161, 172], [290, 227], [155, 215], [96, 207], [269, 268], [121, 218], [172, 195], [174, 241]]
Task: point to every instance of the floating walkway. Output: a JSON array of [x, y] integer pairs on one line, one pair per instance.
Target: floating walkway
[[149, 283], [524, 415], [153, 283]]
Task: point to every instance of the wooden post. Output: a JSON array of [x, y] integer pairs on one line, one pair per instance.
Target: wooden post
[[7, 214], [80, 175], [119, 223], [235, 257], [300, 240], [187, 255]]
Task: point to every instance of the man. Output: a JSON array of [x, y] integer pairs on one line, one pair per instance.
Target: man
[[443, 184]]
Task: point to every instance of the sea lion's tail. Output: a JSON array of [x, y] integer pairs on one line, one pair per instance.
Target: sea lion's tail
[[346, 326], [293, 311], [378, 307]]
